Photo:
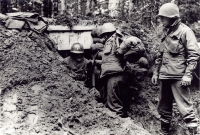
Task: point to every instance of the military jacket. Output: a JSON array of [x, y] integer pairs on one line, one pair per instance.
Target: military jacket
[[178, 53], [111, 63]]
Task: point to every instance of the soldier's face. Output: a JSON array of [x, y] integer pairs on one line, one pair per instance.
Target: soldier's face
[[104, 37], [78, 57], [165, 21]]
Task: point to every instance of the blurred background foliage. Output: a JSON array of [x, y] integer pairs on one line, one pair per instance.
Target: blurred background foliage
[[142, 11]]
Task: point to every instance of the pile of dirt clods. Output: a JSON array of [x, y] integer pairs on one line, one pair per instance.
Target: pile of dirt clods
[[39, 98]]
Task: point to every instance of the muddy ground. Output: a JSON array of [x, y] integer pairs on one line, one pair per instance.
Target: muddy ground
[[38, 97]]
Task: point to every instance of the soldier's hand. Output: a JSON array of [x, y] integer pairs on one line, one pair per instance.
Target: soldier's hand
[[154, 79], [186, 81]]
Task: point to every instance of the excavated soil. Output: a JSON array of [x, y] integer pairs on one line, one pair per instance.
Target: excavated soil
[[39, 98]]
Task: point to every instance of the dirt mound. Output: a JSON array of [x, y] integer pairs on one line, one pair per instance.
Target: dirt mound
[[39, 98]]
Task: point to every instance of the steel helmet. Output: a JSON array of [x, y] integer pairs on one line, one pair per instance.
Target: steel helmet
[[169, 10], [96, 32], [107, 27], [77, 48], [143, 62]]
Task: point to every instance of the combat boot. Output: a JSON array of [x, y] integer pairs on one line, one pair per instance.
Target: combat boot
[[192, 130], [192, 126], [165, 128]]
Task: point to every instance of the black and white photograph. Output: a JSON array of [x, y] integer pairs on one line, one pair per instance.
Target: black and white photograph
[[99, 67]]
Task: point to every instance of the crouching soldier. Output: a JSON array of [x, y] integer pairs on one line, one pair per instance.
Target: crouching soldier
[[176, 60], [136, 67]]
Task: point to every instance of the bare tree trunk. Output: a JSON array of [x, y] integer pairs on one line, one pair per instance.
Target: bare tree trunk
[[88, 6], [4, 6], [93, 3], [130, 7], [114, 6], [63, 7]]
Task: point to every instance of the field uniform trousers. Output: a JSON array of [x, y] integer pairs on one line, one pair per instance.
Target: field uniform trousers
[[113, 92], [172, 90]]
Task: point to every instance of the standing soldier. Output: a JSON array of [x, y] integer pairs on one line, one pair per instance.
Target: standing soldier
[[176, 60], [112, 68]]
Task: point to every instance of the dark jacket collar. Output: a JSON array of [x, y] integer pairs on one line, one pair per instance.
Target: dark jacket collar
[[173, 26]]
